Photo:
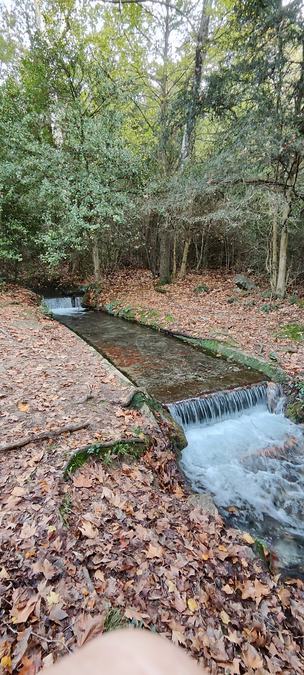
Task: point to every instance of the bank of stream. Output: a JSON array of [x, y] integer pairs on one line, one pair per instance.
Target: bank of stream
[[250, 457]]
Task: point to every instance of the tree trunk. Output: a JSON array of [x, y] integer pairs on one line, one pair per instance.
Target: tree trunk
[[174, 261], [96, 260], [200, 51], [282, 269], [164, 257], [274, 250], [183, 267]]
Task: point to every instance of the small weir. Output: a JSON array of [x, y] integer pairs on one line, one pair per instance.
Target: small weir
[[250, 457], [66, 306], [241, 448], [220, 405]]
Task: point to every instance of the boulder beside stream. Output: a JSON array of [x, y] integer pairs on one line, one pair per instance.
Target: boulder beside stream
[[242, 282]]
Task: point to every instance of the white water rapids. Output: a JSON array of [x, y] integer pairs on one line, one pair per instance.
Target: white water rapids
[[251, 460], [65, 306]]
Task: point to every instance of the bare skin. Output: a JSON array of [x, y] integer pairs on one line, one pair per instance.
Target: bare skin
[[129, 652]]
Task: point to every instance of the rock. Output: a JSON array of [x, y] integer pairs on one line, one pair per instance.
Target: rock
[[205, 502], [244, 283]]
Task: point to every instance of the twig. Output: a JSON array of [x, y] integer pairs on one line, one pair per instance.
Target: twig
[[40, 637], [88, 579], [43, 436]]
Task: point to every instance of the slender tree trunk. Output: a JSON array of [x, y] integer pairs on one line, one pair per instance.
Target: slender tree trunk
[[282, 266], [274, 250], [174, 261], [96, 260], [183, 267], [200, 52], [165, 257], [282, 269]]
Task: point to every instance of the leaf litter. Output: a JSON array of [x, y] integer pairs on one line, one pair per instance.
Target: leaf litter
[[132, 544]]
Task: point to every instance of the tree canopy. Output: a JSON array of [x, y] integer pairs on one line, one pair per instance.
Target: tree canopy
[[166, 134]]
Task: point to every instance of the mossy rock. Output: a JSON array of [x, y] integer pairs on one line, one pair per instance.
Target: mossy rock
[[175, 432], [201, 288], [107, 453], [295, 411]]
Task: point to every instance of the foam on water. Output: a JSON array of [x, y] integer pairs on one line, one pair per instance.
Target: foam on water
[[252, 460], [65, 306]]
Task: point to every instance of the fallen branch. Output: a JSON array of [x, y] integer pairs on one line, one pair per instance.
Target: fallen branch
[[41, 437]]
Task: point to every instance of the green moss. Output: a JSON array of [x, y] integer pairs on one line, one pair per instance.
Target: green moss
[[65, 509], [174, 432], [292, 331], [217, 348], [295, 411], [201, 288], [106, 453]]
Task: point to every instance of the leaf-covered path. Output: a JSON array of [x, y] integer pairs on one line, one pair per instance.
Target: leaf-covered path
[[119, 543]]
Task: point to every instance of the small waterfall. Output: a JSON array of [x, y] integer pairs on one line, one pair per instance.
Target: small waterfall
[[221, 405], [67, 305]]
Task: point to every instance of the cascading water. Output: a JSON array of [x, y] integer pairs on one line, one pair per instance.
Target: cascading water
[[65, 306], [244, 451]]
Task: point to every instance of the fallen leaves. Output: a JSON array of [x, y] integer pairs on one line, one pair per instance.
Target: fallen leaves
[[154, 551], [255, 591], [252, 658], [88, 529], [133, 547], [23, 606], [86, 627]]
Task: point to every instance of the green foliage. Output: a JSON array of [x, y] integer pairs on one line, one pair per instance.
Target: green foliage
[[201, 288], [65, 509], [268, 307], [293, 331], [114, 620]]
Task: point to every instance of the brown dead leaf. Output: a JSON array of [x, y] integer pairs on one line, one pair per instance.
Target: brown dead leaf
[[86, 627], [28, 530], [154, 551], [57, 614], [227, 589], [252, 658], [248, 538], [192, 604], [18, 491], [225, 618], [21, 612], [82, 481], [179, 603], [284, 595], [23, 406], [255, 591], [21, 646], [3, 573], [88, 529]]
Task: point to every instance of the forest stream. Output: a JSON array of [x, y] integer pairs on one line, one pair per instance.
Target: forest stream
[[245, 452]]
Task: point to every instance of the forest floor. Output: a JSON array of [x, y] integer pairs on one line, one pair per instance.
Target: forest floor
[[252, 321], [117, 544]]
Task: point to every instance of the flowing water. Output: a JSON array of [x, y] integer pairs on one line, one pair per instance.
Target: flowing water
[[240, 448], [252, 461], [166, 367], [68, 306]]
